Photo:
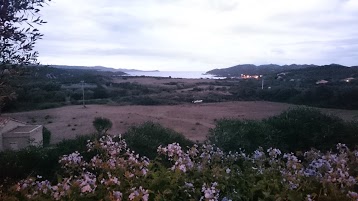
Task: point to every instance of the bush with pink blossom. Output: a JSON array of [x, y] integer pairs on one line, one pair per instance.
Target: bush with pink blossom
[[201, 172]]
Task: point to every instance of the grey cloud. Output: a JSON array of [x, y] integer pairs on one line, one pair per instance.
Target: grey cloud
[[143, 52], [118, 28], [307, 33], [324, 21], [336, 51]]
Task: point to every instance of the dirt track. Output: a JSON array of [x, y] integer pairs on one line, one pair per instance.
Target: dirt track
[[192, 120]]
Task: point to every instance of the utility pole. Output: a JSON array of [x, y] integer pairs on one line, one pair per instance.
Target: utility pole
[[83, 94], [262, 82]]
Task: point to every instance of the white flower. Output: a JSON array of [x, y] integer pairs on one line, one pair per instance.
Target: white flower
[[228, 170]]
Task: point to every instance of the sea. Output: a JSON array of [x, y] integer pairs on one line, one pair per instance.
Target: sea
[[174, 74]]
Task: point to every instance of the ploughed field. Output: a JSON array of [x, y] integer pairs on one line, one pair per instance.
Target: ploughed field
[[192, 120]]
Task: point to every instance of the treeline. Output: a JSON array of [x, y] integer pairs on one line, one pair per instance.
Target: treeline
[[344, 97]]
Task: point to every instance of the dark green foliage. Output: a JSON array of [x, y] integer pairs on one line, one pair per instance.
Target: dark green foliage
[[305, 128], [41, 87], [328, 96], [100, 92], [145, 100], [43, 106], [295, 129], [231, 135], [135, 88], [34, 161], [318, 72], [46, 136], [19, 32], [102, 125], [77, 144], [299, 86], [146, 138]]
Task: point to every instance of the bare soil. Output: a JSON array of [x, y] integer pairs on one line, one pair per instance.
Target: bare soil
[[192, 120]]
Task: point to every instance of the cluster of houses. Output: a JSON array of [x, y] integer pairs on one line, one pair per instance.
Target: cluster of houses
[[16, 135], [243, 76], [280, 76]]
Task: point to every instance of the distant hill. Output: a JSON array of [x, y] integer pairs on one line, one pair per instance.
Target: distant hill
[[98, 68], [39, 73], [333, 72], [236, 71]]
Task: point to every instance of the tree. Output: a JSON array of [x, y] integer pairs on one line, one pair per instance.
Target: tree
[[18, 35], [102, 125]]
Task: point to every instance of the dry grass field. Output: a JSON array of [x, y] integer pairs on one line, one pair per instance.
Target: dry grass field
[[192, 120]]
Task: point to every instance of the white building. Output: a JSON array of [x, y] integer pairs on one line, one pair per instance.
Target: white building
[[322, 82], [15, 135]]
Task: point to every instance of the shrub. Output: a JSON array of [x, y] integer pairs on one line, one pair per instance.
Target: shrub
[[295, 129], [145, 138], [46, 136], [102, 125], [304, 128], [233, 135]]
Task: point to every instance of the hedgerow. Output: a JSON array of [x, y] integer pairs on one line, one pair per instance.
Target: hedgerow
[[297, 129]]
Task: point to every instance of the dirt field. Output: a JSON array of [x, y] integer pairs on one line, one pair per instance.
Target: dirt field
[[192, 120]]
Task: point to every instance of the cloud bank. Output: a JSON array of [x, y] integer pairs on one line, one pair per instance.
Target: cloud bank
[[200, 34]]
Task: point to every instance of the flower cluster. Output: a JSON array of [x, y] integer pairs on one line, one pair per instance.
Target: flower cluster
[[293, 171], [105, 171], [211, 193], [33, 187], [72, 162], [182, 160], [331, 167], [139, 194], [202, 172], [87, 182]]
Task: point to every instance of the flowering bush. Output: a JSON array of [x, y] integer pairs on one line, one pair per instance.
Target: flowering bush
[[202, 172]]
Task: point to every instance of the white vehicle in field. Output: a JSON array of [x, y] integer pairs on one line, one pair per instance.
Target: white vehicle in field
[[197, 101]]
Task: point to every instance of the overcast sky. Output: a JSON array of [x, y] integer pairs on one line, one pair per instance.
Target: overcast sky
[[198, 34]]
